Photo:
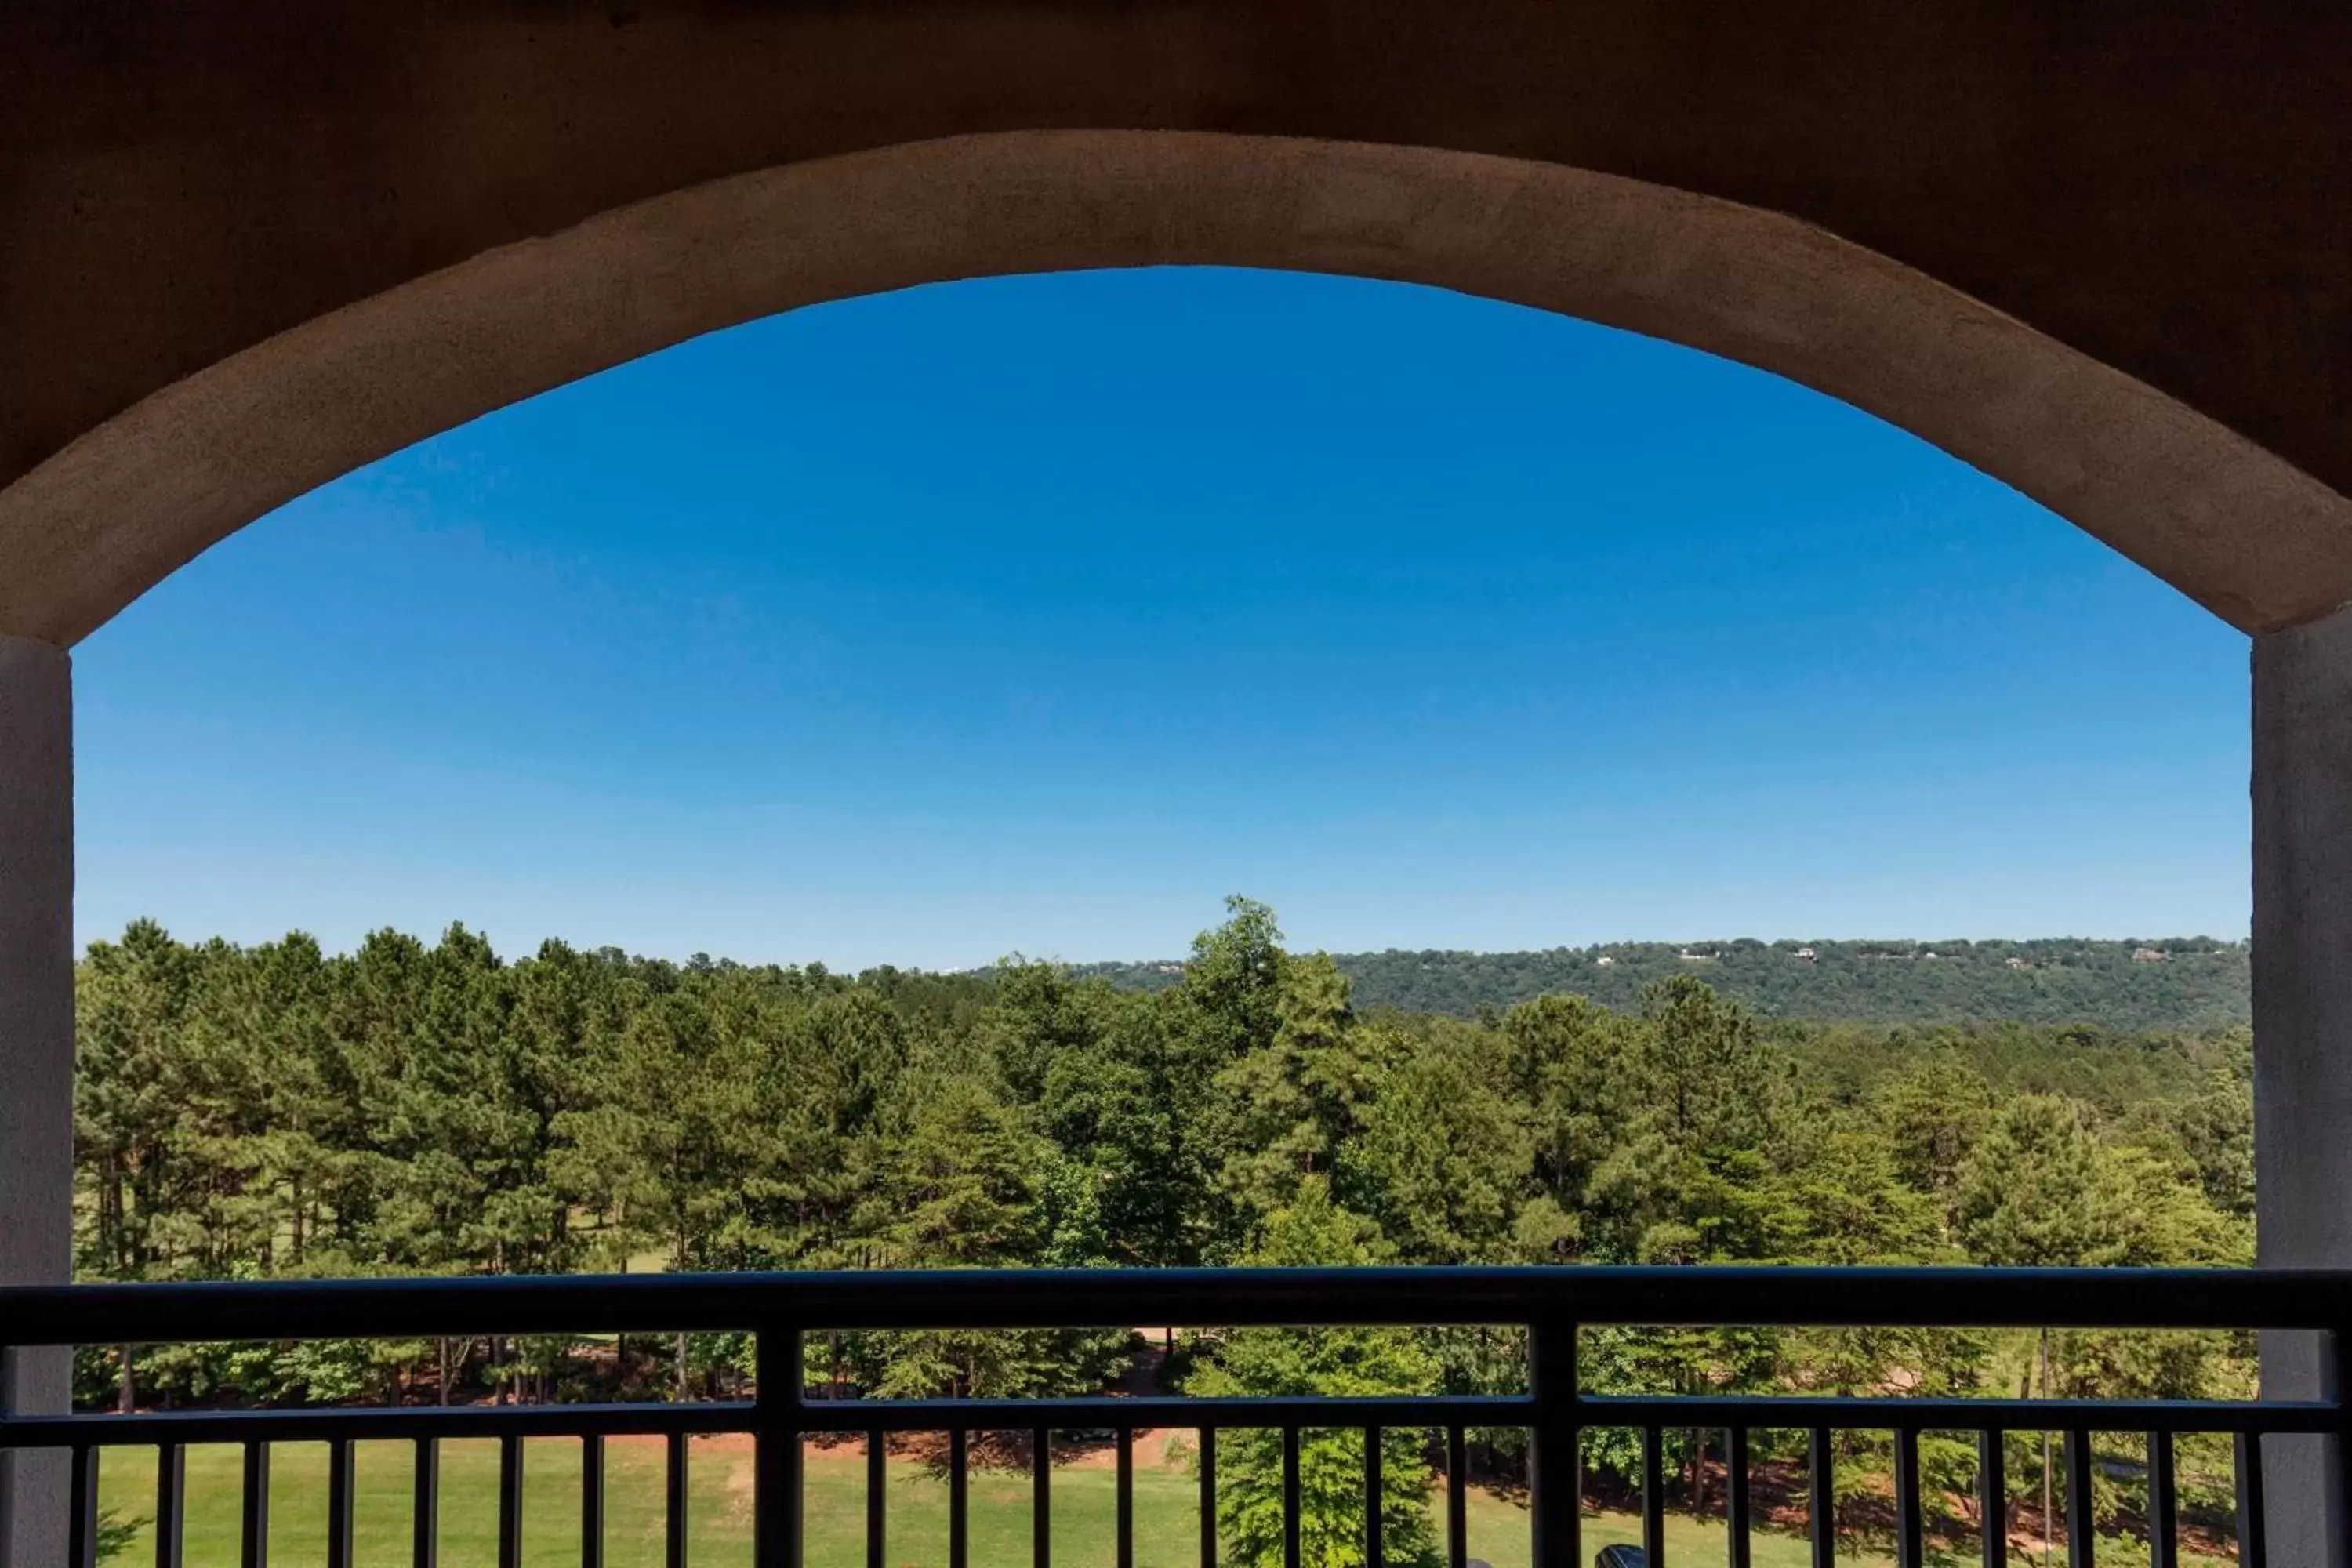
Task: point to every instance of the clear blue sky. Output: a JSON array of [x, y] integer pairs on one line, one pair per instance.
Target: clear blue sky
[[1039, 614]]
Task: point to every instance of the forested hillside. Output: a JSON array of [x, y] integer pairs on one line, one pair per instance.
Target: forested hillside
[[2191, 984], [432, 1108]]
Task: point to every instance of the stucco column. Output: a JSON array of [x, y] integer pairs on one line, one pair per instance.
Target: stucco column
[[37, 1040], [2302, 1034]]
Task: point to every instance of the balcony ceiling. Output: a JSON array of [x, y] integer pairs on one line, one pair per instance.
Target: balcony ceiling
[[2104, 251]]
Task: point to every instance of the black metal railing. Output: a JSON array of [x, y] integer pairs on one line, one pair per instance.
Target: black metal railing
[[1552, 1305]]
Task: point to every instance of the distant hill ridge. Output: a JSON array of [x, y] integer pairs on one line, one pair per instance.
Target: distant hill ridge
[[2193, 984]]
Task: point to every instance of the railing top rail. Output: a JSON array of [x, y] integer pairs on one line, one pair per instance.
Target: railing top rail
[[1416, 1412], [974, 1298]]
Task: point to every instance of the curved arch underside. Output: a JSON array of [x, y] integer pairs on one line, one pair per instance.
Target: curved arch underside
[[2253, 537]]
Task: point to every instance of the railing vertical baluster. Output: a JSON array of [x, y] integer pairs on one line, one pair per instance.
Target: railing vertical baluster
[[1736, 1503], [776, 1499], [1290, 1497], [2252, 1524], [1555, 1478], [1457, 1498], [509, 1501], [1126, 1497], [1821, 1477], [674, 1502], [1375, 1527], [1653, 1497], [877, 1498], [2163, 1504], [425, 1509], [958, 1500], [1040, 1498], [171, 1504], [255, 1507], [339, 1503], [1208, 1496], [1910, 1529], [81, 1509], [2080, 1546], [592, 1502], [1992, 1500]]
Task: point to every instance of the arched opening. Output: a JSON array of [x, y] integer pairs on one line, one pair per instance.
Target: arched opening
[[2244, 533], [1156, 1472]]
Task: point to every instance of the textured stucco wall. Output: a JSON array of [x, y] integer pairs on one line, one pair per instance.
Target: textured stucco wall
[[37, 1039], [2302, 1027]]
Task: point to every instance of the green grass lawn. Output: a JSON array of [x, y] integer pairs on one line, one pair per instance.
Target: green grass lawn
[[1167, 1513]]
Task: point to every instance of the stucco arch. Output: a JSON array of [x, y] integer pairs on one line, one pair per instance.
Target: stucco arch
[[86, 531]]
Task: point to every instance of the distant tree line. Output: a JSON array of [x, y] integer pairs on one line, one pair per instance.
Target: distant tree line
[[275, 1111], [2195, 984]]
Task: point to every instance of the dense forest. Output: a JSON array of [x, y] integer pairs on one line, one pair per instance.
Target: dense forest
[[2189, 984], [411, 1107]]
